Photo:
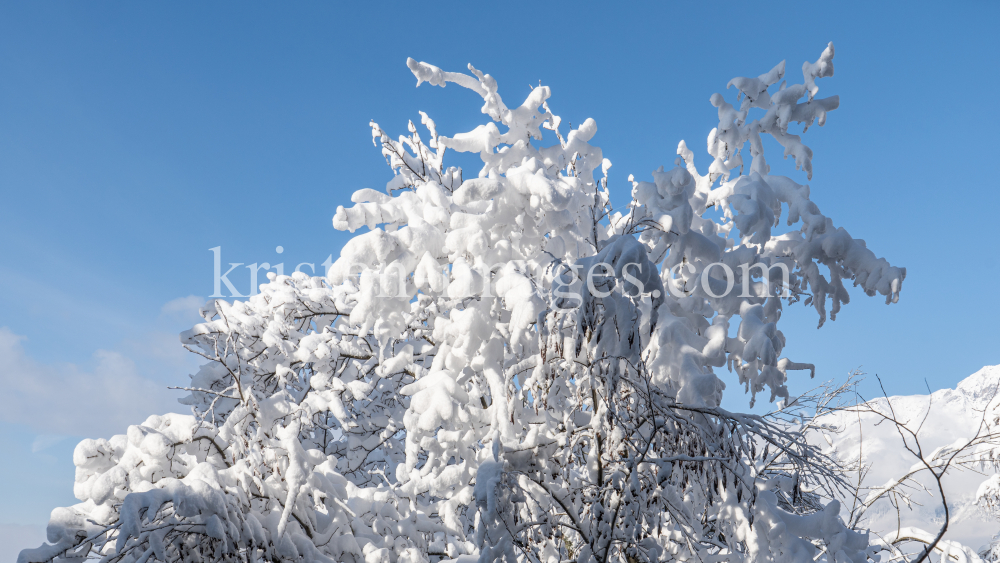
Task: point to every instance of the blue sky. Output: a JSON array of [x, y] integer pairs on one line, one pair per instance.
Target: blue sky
[[134, 137]]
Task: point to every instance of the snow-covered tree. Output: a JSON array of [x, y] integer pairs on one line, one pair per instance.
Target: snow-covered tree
[[504, 367]]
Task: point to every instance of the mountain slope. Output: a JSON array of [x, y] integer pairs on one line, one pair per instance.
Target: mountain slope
[[943, 417]]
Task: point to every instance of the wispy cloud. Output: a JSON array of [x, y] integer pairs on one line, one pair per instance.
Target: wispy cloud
[[183, 308], [43, 441], [67, 399], [46, 406]]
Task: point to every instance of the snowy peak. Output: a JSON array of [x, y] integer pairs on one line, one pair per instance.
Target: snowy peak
[[942, 418], [980, 387]]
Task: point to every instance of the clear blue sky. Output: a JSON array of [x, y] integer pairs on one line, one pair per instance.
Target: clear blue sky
[[136, 136]]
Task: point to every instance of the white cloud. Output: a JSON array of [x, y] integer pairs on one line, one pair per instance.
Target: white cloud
[[46, 406], [66, 399]]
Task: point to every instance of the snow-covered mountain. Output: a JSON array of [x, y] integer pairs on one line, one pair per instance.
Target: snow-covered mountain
[[942, 418]]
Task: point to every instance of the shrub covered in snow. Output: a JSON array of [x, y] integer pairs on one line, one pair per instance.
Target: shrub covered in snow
[[504, 367]]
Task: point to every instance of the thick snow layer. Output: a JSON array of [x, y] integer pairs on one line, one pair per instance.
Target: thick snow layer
[[943, 417]]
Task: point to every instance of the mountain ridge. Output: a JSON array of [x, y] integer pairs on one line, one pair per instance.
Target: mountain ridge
[[942, 418]]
